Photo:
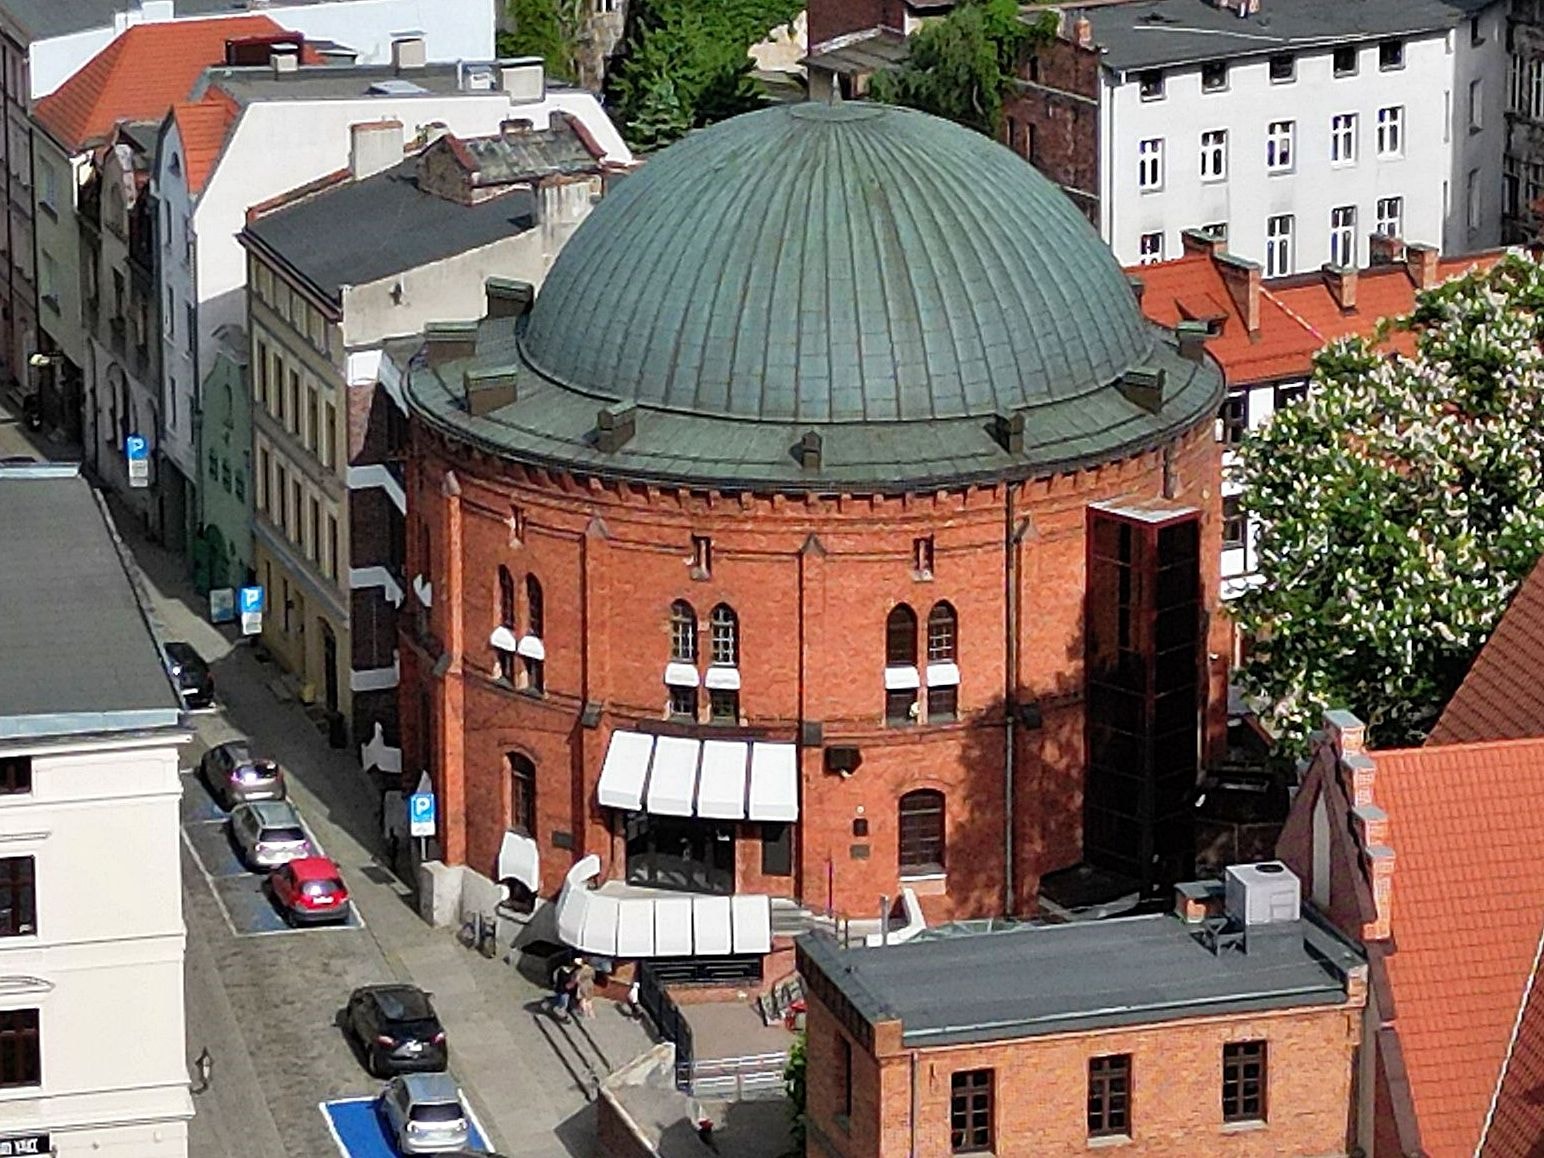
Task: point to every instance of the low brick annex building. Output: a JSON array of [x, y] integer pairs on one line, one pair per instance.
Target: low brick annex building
[[831, 522]]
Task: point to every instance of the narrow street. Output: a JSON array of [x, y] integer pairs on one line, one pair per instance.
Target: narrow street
[[264, 1002]]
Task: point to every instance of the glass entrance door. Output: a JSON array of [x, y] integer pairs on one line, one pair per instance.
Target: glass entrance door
[[679, 852]]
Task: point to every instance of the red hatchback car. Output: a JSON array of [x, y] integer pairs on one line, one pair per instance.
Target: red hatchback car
[[310, 891]]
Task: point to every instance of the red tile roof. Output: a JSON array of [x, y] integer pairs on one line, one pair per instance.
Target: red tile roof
[[1517, 1123], [1502, 697], [1467, 917], [1298, 315], [203, 126], [140, 75]]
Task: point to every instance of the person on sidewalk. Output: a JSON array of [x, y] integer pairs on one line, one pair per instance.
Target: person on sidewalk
[[584, 987], [565, 981]]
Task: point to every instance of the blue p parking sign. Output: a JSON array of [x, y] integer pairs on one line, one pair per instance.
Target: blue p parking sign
[[249, 602], [420, 814], [136, 452]]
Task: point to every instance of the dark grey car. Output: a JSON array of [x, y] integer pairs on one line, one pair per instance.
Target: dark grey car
[[235, 776]]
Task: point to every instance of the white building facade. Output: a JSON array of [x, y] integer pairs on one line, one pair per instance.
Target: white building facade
[[93, 1056]]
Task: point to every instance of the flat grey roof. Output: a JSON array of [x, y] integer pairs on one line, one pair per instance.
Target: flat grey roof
[[1039, 979], [1156, 33], [317, 236], [77, 656], [250, 83], [42, 19]]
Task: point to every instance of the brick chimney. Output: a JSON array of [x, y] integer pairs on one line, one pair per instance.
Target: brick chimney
[[1082, 31], [1385, 250], [1358, 771], [1195, 242], [1340, 280], [374, 146], [1242, 277], [1421, 264]]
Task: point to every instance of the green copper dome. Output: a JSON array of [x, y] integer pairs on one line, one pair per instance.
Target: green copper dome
[[832, 264]]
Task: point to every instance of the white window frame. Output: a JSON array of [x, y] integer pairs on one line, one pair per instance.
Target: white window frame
[[1343, 139], [1473, 200], [1477, 104], [1150, 164], [1343, 236], [1391, 131], [1214, 155], [1278, 245], [1149, 253], [1280, 146], [1391, 216]]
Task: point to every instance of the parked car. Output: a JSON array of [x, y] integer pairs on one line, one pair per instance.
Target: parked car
[[310, 891], [424, 1114], [269, 833], [397, 1028], [235, 776], [191, 674]]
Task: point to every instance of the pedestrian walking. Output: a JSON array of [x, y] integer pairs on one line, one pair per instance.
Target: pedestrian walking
[[564, 982], [584, 987]]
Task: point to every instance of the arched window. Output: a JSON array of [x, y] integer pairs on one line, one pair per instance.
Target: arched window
[[943, 673], [533, 606], [506, 598], [725, 631], [901, 677], [522, 793], [683, 632], [922, 832]]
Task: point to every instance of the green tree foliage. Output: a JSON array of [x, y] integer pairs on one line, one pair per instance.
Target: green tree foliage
[[794, 1074], [549, 29], [962, 66], [687, 63], [1400, 505]]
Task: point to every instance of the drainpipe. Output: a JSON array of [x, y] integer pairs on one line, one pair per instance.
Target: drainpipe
[[912, 1119], [1010, 674]]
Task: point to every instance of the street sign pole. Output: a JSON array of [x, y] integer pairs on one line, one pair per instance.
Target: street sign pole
[[249, 601]]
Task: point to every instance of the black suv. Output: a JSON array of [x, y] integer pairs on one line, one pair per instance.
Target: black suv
[[397, 1028], [191, 675]]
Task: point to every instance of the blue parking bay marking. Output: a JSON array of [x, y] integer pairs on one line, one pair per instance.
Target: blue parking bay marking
[[211, 843], [360, 1132]]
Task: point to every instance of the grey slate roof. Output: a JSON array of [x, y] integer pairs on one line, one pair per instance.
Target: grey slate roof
[[1156, 33], [519, 156], [248, 83], [76, 653], [1040, 979], [319, 237], [41, 19], [830, 263]]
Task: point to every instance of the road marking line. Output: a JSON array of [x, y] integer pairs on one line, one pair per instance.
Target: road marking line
[[209, 880], [333, 1130], [471, 1115]]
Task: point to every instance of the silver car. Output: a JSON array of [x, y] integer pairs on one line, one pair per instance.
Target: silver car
[[424, 1114], [235, 776], [269, 833]]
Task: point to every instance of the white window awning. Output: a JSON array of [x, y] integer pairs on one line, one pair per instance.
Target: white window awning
[[520, 860], [625, 771], [713, 779], [573, 907], [635, 928], [532, 648], [750, 917], [673, 926], [774, 791], [503, 639], [673, 776], [899, 679], [943, 675], [681, 675], [712, 926], [723, 678]]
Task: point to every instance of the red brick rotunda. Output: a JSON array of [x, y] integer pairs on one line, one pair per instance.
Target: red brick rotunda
[[830, 523]]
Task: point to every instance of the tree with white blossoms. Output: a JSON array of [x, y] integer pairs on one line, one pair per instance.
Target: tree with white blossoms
[[1399, 506]]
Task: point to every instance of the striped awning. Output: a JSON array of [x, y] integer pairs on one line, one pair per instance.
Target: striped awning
[[713, 779]]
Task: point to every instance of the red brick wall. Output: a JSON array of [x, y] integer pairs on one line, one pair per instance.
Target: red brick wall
[[812, 581], [1041, 1089], [1051, 119], [832, 18]]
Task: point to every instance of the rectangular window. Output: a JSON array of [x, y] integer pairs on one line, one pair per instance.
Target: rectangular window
[[1476, 104], [1150, 164], [723, 706], [1109, 1096], [297, 512], [1345, 62], [292, 420], [1391, 213], [1278, 245], [1391, 131], [1214, 154], [1279, 138], [190, 317], [314, 532], [1517, 90], [313, 427], [1343, 236], [702, 556], [776, 849], [922, 557], [281, 496], [844, 1073], [921, 848], [1535, 107], [1214, 76], [21, 1062], [330, 435], [1234, 418], [900, 706], [1473, 199], [1289, 395], [332, 546], [943, 704], [1476, 31], [1150, 248], [18, 897], [262, 373], [970, 1111], [683, 703], [15, 775], [1233, 522], [1511, 187], [1283, 68], [1150, 84], [1391, 54], [263, 467], [1243, 1081], [1343, 139], [1217, 230]]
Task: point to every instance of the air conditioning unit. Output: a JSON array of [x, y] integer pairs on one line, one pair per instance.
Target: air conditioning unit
[[1268, 893]]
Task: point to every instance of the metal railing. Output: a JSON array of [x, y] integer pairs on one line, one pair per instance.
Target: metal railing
[[734, 1078]]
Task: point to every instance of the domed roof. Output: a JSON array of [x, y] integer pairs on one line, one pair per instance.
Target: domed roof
[[831, 264]]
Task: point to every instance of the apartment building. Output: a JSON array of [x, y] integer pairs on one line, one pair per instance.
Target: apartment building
[[1290, 129], [325, 296], [45, 42], [92, 1045], [1522, 199], [217, 158]]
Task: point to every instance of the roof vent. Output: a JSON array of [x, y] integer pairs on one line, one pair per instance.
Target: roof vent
[[507, 297], [395, 88], [615, 426], [809, 450], [1192, 337], [1144, 386], [524, 79], [488, 388], [408, 51], [447, 341], [1263, 894], [284, 60], [1008, 431]]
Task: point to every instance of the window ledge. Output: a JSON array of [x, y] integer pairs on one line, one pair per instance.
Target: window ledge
[[1243, 1127], [924, 875], [1107, 1141]]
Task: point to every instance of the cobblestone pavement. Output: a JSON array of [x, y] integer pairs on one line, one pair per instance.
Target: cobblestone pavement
[[265, 1006]]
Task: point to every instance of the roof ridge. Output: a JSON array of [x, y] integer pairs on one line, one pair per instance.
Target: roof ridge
[[1511, 1045], [1464, 746]]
